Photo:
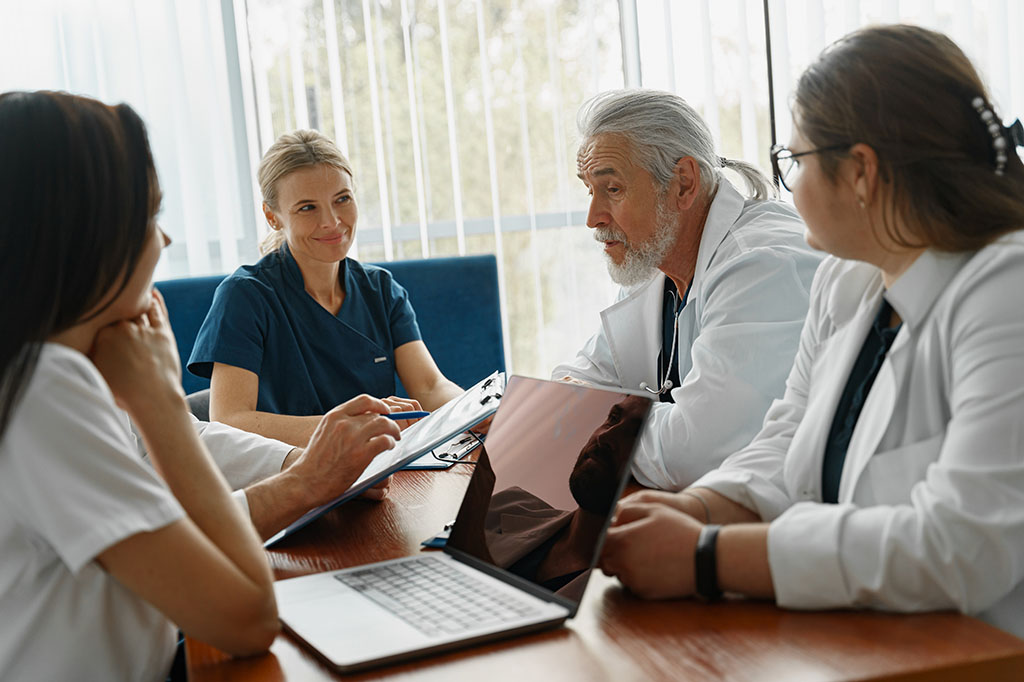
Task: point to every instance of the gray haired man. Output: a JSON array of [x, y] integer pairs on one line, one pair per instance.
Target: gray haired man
[[714, 286]]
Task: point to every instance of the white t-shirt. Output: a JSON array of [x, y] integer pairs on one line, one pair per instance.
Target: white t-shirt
[[72, 485]]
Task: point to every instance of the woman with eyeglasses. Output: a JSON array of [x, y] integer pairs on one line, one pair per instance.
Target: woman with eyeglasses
[[103, 559], [891, 473]]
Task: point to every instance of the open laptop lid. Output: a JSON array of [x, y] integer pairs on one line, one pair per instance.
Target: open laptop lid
[[537, 507]]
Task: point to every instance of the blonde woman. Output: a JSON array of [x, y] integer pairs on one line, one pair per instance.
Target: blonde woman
[[307, 328]]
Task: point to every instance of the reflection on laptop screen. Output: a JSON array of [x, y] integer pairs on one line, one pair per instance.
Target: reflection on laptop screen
[[547, 481]]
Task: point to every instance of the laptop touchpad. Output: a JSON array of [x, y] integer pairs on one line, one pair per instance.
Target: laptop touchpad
[[342, 624]]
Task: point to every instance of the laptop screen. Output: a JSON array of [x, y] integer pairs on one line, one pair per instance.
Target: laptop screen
[[546, 482]]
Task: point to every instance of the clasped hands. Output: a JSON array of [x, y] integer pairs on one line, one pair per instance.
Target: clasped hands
[[650, 545]]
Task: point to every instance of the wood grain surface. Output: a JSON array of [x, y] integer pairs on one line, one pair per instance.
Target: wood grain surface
[[615, 636]]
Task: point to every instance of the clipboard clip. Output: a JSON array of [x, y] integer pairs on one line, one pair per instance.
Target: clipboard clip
[[494, 394]]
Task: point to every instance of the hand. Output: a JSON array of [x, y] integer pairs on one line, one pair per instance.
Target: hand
[[344, 442], [684, 503], [573, 380], [396, 404], [650, 549], [139, 359], [378, 492]]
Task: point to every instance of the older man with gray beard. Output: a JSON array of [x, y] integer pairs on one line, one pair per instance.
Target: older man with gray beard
[[714, 286]]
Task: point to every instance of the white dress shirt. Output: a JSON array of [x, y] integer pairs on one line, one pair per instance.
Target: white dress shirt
[[737, 337], [931, 500]]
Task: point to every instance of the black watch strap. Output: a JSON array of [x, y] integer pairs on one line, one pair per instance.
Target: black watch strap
[[706, 563]]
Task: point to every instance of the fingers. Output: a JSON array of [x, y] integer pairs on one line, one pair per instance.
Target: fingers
[[379, 491], [370, 436], [614, 556], [376, 445], [652, 497], [157, 313], [629, 511], [383, 484], [361, 404], [402, 404], [376, 494]]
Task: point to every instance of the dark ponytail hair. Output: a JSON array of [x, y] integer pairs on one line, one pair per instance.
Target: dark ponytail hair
[[78, 191], [907, 93]]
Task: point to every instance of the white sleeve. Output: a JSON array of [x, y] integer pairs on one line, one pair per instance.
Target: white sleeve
[[959, 542], [243, 502], [753, 477], [593, 363], [70, 472], [244, 458], [753, 311]]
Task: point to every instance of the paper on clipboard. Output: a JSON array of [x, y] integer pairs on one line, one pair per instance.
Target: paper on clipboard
[[454, 417]]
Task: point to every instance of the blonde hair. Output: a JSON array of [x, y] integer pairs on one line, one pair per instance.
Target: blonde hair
[[289, 153]]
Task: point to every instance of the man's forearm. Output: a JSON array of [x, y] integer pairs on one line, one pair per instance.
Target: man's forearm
[[277, 501], [718, 508]]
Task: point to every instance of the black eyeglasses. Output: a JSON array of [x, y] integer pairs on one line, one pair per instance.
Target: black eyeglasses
[[784, 160]]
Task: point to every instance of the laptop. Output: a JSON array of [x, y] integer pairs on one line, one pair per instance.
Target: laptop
[[521, 549]]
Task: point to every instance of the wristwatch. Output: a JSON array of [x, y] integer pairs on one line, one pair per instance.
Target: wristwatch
[[706, 564]]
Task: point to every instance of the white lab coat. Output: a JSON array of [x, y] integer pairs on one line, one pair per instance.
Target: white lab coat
[[737, 337], [931, 500]]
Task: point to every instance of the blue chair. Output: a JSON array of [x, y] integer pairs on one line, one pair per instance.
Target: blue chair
[[455, 299]]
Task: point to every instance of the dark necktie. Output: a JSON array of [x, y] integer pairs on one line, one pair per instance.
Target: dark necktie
[[862, 376]]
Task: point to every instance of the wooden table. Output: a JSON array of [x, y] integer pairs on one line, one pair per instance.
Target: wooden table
[[616, 636]]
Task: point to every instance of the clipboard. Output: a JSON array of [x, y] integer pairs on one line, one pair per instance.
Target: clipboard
[[457, 415], [447, 454]]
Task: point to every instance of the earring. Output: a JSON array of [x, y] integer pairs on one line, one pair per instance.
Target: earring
[[860, 202]]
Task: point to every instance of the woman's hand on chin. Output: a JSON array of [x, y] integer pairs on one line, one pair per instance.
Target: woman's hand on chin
[[139, 360]]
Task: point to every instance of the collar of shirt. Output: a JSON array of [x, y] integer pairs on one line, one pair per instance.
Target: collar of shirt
[[914, 293], [725, 209], [293, 275]]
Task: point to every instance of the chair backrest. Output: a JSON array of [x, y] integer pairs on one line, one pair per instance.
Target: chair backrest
[[188, 300], [456, 302], [459, 312]]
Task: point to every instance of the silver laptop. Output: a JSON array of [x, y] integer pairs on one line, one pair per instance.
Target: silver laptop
[[520, 551]]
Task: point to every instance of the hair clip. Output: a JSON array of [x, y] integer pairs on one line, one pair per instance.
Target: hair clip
[[995, 129], [1015, 131]]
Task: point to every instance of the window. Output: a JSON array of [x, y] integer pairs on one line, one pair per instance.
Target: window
[[459, 119], [458, 115]]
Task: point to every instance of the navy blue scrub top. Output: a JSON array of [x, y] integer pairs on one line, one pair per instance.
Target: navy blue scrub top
[[307, 360]]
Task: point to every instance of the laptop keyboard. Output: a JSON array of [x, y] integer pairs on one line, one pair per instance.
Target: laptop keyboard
[[435, 599]]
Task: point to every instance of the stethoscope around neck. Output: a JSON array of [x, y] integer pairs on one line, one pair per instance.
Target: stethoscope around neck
[[667, 384]]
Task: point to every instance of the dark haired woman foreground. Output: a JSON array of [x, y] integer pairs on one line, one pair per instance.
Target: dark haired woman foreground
[[104, 560], [891, 474]]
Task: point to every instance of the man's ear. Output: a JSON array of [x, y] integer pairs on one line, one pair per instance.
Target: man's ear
[[862, 173], [685, 187], [271, 217]]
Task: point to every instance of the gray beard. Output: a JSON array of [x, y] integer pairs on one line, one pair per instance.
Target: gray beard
[[640, 261]]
